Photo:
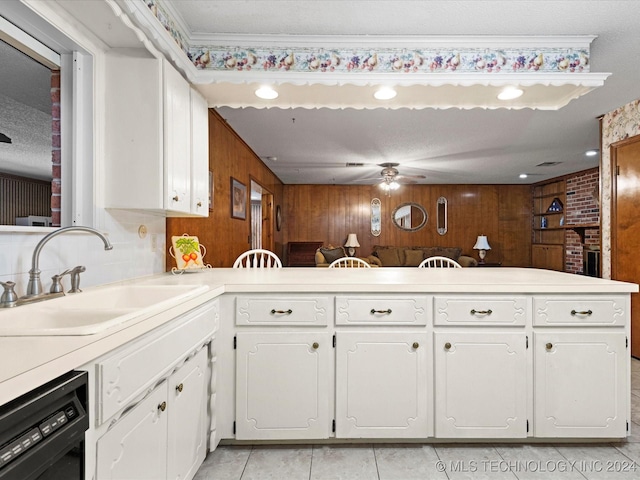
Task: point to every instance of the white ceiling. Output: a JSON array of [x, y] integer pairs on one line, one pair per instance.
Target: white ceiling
[[25, 114], [447, 146]]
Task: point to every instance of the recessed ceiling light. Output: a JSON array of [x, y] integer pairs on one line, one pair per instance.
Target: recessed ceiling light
[[266, 93], [272, 159], [509, 93], [591, 153], [385, 93], [523, 175]]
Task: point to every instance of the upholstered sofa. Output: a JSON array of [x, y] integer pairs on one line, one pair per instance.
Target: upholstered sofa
[[390, 256], [327, 254]]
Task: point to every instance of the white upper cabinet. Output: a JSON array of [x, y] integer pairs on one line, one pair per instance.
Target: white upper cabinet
[[156, 151], [199, 154], [177, 140]]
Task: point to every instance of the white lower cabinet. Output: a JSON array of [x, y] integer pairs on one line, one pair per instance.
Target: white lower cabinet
[[382, 385], [187, 413], [283, 385], [164, 436], [137, 445], [480, 385], [581, 384]]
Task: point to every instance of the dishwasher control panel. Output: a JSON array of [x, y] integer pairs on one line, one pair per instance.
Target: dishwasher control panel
[[42, 426], [32, 436]]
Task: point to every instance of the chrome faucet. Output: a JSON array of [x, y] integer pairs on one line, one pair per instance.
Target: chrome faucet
[[34, 287]]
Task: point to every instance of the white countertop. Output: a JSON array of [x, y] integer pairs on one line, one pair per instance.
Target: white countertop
[[27, 362]]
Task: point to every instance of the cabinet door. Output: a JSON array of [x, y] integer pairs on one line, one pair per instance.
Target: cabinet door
[[580, 384], [136, 446], [550, 257], [133, 169], [199, 155], [187, 406], [177, 140], [282, 385], [382, 385], [480, 385]]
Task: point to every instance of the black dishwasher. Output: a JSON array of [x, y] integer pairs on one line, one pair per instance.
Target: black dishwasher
[[42, 432]]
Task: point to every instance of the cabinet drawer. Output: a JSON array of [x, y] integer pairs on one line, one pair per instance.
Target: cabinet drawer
[[480, 310], [382, 310], [138, 366], [294, 309], [610, 310]]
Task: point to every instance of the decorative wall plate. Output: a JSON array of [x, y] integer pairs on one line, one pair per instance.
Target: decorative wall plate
[[188, 253], [376, 219]]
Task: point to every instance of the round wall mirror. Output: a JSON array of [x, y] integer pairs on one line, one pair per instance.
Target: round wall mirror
[[409, 217]]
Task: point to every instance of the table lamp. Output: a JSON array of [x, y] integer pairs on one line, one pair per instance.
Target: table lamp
[[482, 245], [351, 244]]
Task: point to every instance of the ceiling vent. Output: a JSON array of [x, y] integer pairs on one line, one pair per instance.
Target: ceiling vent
[[548, 164], [354, 164]]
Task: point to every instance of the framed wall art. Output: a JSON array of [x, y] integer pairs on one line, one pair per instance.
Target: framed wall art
[[238, 199], [211, 187]]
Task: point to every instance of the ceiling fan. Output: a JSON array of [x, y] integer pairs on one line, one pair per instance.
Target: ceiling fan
[[391, 179]]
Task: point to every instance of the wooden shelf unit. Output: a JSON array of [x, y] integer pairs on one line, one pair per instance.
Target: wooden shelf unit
[[548, 247]]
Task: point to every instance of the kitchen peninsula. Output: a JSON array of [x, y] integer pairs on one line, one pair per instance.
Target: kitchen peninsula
[[395, 353]]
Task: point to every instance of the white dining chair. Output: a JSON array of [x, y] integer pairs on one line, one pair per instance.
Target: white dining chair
[[257, 258], [439, 262], [349, 262]]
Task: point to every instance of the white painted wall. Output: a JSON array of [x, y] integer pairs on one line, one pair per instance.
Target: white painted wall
[[131, 256]]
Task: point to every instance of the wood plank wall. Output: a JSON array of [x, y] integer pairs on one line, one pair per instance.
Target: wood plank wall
[[224, 237], [22, 196], [327, 213]]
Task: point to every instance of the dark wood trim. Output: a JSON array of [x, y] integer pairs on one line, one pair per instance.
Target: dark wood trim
[[613, 159]]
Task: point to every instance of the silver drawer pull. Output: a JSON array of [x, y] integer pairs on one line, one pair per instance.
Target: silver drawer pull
[[374, 311], [583, 312], [481, 312], [281, 312]]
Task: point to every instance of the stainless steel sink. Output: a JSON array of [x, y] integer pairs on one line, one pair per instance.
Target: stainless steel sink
[[93, 311]]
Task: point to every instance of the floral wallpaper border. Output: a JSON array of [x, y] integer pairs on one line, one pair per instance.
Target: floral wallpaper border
[[619, 124], [380, 60]]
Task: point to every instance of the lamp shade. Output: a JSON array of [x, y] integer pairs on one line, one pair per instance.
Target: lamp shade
[[482, 243], [352, 240]]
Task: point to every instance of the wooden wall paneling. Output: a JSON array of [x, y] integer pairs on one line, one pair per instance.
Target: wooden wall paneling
[[226, 238], [22, 196], [515, 225], [328, 213]]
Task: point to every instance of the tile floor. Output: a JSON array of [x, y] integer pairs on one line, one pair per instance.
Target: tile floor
[[619, 461]]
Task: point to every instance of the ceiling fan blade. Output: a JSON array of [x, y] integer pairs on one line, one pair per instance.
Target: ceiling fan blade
[[370, 179], [410, 176]]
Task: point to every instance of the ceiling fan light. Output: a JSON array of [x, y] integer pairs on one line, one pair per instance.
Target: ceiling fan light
[[394, 185], [266, 93], [385, 93], [510, 93]]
